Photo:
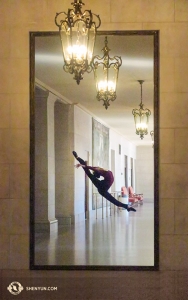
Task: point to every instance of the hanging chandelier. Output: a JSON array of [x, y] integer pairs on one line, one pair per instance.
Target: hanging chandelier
[[141, 117], [106, 71], [77, 32], [152, 137]]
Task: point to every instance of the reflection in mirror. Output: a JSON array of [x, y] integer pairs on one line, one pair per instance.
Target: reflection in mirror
[[72, 225]]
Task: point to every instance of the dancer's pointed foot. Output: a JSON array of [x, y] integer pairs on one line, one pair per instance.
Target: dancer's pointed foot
[[130, 208], [75, 154]]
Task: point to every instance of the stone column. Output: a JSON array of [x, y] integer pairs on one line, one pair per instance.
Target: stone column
[[44, 163], [63, 166]]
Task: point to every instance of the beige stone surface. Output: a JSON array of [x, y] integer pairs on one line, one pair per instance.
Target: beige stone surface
[[19, 111], [18, 216], [121, 26], [167, 285], [167, 83], [5, 145], [172, 181], [180, 252], [5, 217], [181, 10], [27, 12], [5, 110], [19, 245], [181, 74], [4, 181], [167, 249], [19, 146], [19, 83], [5, 40], [5, 76], [181, 146], [181, 289], [167, 145], [173, 110], [19, 181], [158, 11], [181, 220], [18, 44], [167, 225], [4, 251]]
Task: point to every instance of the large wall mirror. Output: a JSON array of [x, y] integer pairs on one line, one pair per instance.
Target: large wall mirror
[[72, 226]]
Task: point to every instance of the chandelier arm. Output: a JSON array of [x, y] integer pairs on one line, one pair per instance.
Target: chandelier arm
[[135, 111], [91, 18], [99, 20], [68, 69], [118, 60], [97, 57], [76, 21], [107, 66], [61, 21], [106, 96], [114, 64], [99, 63]]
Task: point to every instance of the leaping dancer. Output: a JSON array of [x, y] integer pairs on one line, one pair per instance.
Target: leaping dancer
[[102, 185]]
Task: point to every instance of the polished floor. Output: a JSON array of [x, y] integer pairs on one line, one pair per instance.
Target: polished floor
[[122, 239]]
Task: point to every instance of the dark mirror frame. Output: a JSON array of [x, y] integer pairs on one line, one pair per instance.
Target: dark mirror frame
[[155, 34]]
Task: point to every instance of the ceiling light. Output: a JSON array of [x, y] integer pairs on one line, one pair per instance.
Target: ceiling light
[[106, 71], [77, 32], [141, 117], [152, 137]]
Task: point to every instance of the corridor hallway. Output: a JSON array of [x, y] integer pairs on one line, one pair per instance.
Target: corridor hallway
[[122, 239]]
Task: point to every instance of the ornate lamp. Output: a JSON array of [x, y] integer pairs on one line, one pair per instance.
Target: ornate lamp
[[152, 137], [106, 71], [141, 117], [77, 32]]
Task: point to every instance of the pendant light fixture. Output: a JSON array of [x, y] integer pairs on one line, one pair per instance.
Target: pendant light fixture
[[152, 137], [77, 32], [141, 117], [106, 71]]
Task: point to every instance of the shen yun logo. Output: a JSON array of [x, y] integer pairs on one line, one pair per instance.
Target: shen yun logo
[[15, 288]]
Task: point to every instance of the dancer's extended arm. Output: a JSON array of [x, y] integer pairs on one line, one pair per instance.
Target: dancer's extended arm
[[98, 169]]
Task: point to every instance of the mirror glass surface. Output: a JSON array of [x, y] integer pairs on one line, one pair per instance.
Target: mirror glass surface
[[72, 226]]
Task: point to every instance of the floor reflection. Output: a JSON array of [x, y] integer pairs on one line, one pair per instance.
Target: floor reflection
[[120, 239]]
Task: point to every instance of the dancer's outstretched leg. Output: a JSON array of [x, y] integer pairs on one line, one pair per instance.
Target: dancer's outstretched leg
[[81, 161], [109, 197], [94, 180]]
